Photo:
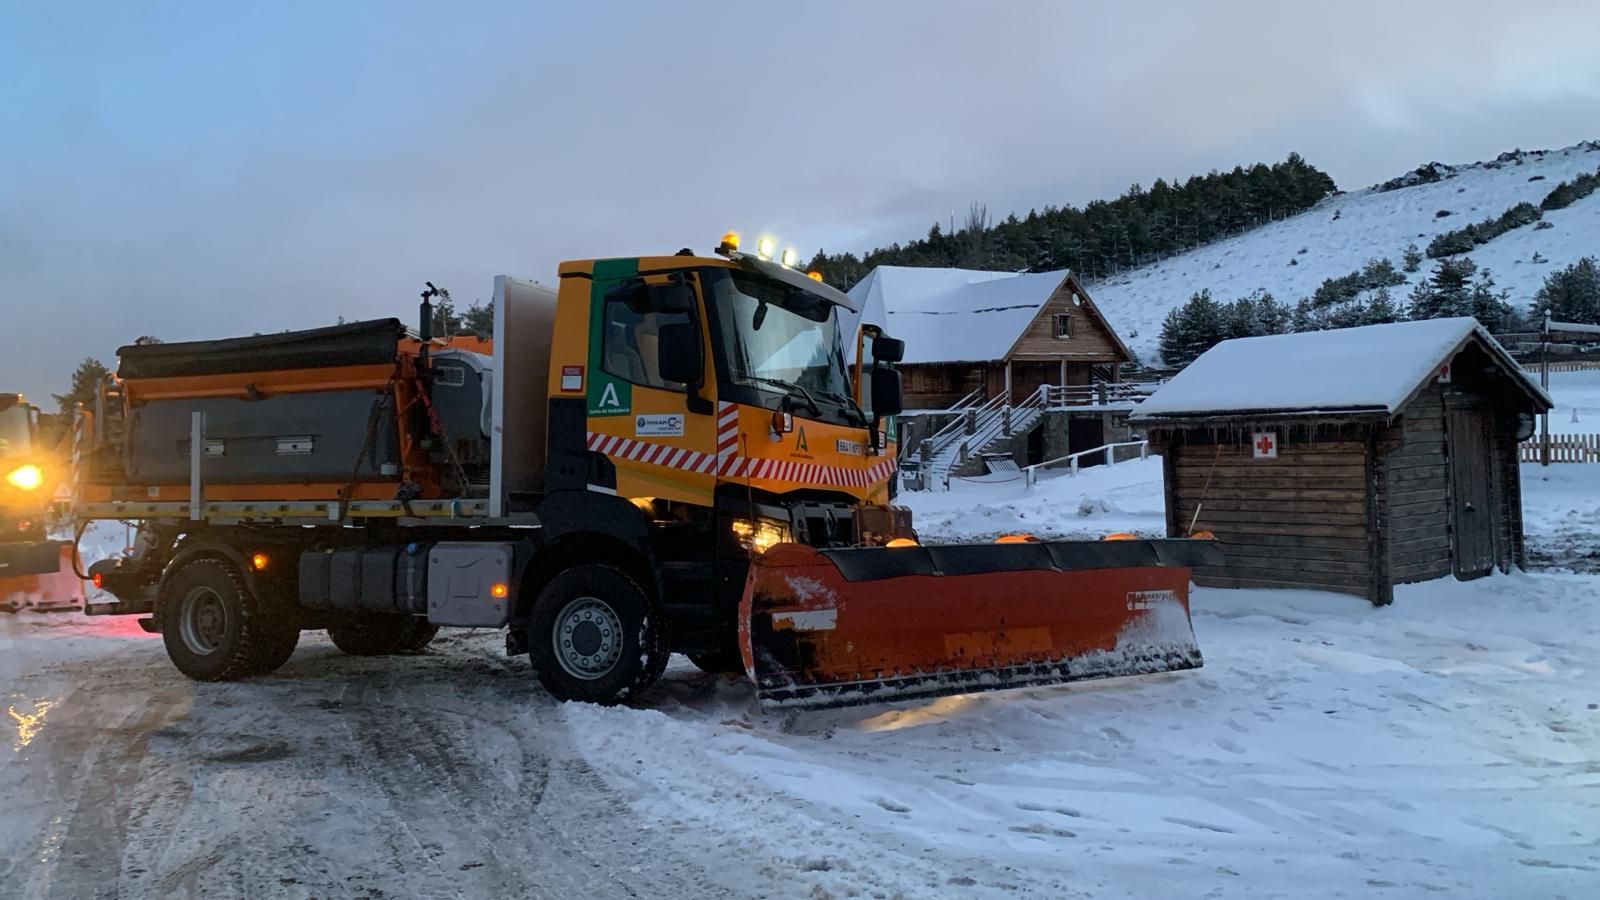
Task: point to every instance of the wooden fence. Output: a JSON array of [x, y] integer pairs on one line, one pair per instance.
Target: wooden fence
[[1564, 448], [1574, 365]]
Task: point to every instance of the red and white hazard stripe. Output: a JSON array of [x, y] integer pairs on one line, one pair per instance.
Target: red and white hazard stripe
[[654, 454], [728, 463]]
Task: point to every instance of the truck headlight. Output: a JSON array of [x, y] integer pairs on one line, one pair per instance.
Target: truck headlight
[[759, 536], [25, 478]]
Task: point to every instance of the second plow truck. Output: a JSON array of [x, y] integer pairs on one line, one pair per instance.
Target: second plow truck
[[665, 454], [36, 573]]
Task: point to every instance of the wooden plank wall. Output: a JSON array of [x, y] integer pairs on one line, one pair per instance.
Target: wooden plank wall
[[936, 385], [1090, 341], [1300, 521], [1414, 457]]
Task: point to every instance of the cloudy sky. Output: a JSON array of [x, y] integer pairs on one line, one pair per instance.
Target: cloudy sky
[[199, 170]]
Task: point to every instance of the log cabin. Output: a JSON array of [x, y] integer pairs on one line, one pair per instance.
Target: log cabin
[[993, 332], [1349, 460]]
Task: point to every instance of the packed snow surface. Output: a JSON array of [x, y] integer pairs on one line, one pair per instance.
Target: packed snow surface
[[1442, 746], [1374, 367]]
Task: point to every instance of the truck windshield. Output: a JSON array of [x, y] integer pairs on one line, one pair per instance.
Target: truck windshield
[[14, 429], [780, 338]]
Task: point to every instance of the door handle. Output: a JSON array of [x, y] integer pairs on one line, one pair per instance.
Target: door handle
[[1470, 507]]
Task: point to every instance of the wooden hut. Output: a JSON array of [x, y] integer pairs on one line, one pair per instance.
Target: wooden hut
[[1349, 460], [992, 332]]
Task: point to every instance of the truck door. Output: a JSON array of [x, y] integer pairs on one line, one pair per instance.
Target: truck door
[[649, 402]]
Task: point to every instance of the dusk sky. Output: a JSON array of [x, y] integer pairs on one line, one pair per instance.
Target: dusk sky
[[203, 170]]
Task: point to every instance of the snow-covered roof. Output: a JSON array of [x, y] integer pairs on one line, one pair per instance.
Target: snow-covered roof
[[952, 315], [1374, 368]]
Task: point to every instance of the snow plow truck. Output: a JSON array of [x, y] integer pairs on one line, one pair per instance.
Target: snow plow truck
[[35, 572], [663, 454]]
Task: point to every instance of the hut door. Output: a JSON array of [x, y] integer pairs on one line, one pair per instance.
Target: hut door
[[1470, 492]]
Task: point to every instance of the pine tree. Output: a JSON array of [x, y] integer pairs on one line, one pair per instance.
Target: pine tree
[[479, 319], [1413, 258], [85, 379], [1382, 309], [1241, 318], [1487, 305], [1192, 329], [1446, 292], [1348, 315], [446, 321], [1571, 294], [1306, 317], [1274, 316]]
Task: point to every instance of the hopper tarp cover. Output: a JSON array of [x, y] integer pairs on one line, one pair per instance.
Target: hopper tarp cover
[[354, 344]]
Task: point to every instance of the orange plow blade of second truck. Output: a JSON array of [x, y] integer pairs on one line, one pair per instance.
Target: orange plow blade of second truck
[[842, 627], [38, 576]]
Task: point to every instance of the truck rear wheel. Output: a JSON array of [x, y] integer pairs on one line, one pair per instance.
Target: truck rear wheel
[[381, 634], [216, 629], [595, 636]]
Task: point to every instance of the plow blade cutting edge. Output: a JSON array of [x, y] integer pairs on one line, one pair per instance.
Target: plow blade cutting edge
[[822, 628], [38, 575]]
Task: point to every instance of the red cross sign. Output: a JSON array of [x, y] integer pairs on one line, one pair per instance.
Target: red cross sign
[[1264, 445]]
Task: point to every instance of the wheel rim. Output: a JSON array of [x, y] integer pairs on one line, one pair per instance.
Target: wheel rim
[[587, 638], [202, 621]]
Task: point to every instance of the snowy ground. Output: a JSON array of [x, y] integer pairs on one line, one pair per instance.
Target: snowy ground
[[1102, 500], [1445, 745], [1577, 396]]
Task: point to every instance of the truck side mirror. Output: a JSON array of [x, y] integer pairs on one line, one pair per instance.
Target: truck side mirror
[[678, 356], [886, 398], [887, 349]]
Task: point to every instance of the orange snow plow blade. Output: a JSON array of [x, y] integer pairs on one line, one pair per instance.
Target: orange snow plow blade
[[842, 627], [38, 575]]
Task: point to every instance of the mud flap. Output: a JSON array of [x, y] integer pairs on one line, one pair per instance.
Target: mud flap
[[843, 627], [38, 575]]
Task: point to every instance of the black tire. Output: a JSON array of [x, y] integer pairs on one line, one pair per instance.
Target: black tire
[[725, 661], [275, 650], [595, 636], [422, 634], [380, 634], [215, 629]]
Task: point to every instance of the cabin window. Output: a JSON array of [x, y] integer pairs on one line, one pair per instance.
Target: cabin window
[[1061, 325], [629, 340]]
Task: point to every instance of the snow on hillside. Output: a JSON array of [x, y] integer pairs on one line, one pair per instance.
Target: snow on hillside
[[1371, 224]]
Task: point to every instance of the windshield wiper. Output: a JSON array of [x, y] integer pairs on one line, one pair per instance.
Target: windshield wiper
[[791, 386], [861, 414]]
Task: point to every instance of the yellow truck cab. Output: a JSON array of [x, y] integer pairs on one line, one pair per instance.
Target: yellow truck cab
[[713, 394]]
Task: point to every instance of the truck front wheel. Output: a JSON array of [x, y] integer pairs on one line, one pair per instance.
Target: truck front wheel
[[216, 629], [595, 636]]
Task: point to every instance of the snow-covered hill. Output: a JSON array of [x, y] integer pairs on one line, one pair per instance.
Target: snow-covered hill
[[1338, 235]]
